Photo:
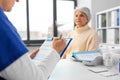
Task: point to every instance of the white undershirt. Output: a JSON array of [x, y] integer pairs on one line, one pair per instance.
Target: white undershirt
[[25, 69]]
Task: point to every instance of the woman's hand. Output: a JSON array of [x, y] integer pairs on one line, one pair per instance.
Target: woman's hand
[[33, 53]]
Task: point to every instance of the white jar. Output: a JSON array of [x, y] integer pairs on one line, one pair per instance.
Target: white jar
[[108, 60]]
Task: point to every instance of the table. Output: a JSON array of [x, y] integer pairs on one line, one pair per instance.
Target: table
[[67, 69]]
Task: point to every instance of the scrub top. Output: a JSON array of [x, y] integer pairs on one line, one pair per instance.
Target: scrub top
[[11, 45]]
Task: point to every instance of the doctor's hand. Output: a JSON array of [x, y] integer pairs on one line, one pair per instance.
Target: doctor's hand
[[33, 53], [58, 44]]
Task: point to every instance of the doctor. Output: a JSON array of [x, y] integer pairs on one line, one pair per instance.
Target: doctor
[[15, 63]]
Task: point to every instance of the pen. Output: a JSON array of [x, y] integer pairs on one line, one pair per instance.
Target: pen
[[60, 36]]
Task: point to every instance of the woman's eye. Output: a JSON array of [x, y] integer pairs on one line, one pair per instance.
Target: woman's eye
[[76, 15], [81, 15]]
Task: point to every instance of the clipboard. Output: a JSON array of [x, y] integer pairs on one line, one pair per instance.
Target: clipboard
[[68, 41], [46, 48]]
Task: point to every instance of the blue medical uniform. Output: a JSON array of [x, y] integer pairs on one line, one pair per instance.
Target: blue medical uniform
[[11, 45]]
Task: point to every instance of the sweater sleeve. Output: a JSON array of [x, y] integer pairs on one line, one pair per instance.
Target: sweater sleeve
[[94, 43], [25, 69]]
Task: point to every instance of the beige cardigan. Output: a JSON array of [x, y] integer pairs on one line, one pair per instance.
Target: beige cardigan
[[84, 39]]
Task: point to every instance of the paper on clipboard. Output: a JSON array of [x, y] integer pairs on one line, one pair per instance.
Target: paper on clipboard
[[98, 69], [45, 49], [109, 73]]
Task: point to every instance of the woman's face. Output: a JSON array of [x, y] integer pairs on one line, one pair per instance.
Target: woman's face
[[8, 4], [80, 18]]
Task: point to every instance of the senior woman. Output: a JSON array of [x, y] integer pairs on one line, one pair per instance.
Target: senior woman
[[84, 37]]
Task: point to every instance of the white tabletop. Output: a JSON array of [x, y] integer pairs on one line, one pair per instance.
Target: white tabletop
[[68, 69]]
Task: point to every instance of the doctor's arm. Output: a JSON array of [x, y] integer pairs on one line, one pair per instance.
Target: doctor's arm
[[25, 69]]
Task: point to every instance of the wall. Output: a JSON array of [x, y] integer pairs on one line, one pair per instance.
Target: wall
[[100, 5], [96, 6], [82, 3]]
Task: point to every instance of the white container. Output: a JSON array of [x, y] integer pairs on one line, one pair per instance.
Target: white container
[[107, 60]]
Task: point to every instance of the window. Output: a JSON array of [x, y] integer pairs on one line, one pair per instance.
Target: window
[[36, 20], [41, 18], [18, 18], [65, 13]]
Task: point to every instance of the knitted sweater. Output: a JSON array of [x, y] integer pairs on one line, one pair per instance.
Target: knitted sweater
[[84, 39]]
